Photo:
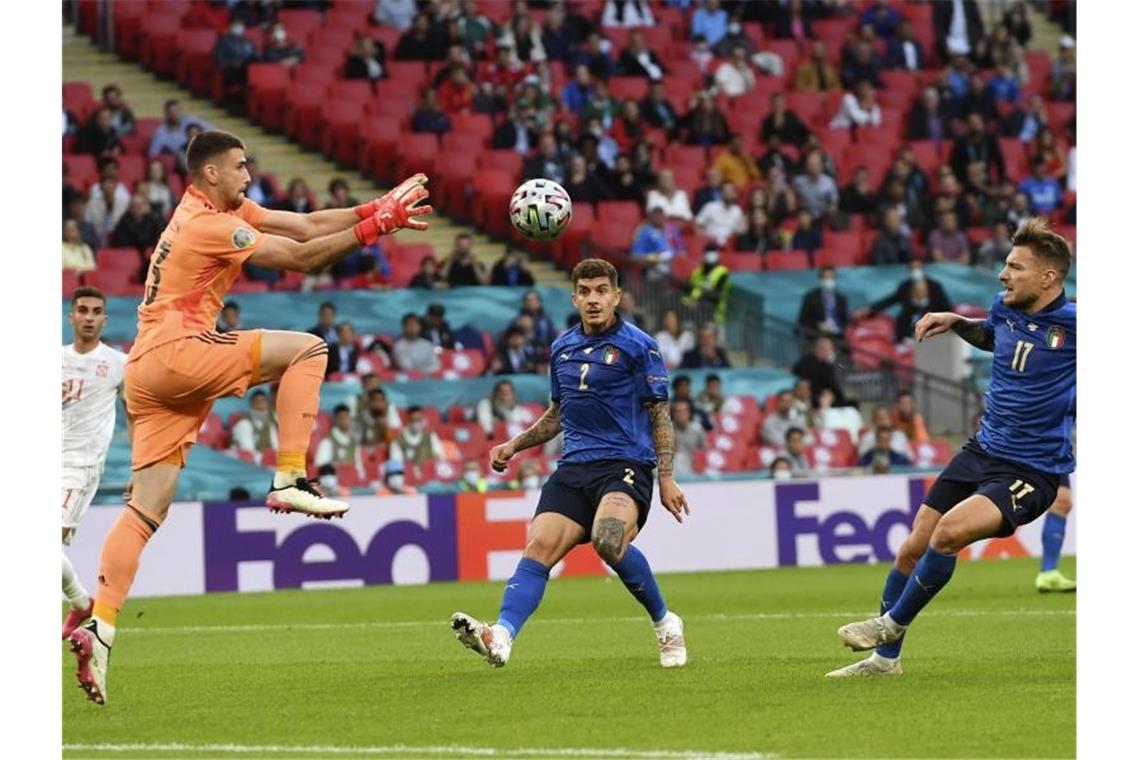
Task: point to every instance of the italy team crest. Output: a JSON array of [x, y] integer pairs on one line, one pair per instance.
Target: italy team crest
[[609, 355], [1055, 338]]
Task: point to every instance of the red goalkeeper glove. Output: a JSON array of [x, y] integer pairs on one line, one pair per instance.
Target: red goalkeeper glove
[[365, 210], [395, 210]]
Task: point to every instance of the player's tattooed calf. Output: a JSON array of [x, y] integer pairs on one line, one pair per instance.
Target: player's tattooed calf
[[608, 538]]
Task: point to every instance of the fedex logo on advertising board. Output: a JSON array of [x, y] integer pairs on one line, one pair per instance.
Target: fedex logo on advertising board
[[842, 521], [440, 537]]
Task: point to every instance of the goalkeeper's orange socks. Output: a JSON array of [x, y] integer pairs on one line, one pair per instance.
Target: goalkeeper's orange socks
[[298, 399], [118, 564]]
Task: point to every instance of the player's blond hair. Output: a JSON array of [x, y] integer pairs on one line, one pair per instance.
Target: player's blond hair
[[1036, 235], [588, 269]]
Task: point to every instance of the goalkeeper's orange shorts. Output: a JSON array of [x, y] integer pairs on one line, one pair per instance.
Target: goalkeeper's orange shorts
[[171, 389]]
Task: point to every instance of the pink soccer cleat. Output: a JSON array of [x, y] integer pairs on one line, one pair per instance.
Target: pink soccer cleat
[[76, 618]]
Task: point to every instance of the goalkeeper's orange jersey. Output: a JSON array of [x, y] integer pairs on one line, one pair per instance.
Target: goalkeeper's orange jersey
[[198, 257]]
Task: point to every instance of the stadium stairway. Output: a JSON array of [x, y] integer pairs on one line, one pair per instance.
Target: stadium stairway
[[83, 60]]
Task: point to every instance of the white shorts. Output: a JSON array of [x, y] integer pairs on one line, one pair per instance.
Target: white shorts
[[79, 487]]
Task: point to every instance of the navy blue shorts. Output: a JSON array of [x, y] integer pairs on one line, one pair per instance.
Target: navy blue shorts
[[1021, 493], [575, 490], [1065, 482]]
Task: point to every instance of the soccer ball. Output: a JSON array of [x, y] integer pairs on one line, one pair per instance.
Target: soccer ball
[[540, 209]]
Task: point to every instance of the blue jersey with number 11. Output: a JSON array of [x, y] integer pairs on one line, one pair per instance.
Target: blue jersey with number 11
[[1032, 399], [602, 383]]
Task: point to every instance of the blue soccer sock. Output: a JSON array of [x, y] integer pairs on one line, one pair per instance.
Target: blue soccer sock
[[892, 590], [930, 575], [1052, 536], [633, 569], [522, 595]]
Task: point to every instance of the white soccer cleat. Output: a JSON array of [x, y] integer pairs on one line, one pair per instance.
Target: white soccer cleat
[[872, 666], [492, 642], [871, 633], [304, 497], [671, 641], [92, 658]]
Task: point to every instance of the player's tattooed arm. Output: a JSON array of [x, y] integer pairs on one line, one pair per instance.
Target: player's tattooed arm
[[546, 427], [663, 441], [973, 332]]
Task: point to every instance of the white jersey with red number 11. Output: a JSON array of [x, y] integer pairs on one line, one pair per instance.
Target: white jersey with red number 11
[[90, 386]]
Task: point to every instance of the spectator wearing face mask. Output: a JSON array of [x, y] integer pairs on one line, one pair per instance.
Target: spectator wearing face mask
[[340, 447], [394, 481], [416, 444], [233, 52], [529, 478], [256, 432], [916, 305], [939, 301], [501, 406], [472, 480], [781, 469], [710, 285], [786, 416], [823, 310], [882, 453]]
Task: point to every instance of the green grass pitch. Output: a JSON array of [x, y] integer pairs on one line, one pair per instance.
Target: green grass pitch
[[374, 672]]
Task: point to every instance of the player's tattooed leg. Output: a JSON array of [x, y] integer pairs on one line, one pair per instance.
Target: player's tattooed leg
[[609, 539]]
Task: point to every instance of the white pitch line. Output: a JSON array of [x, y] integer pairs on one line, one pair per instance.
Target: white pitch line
[[405, 750], [712, 618]]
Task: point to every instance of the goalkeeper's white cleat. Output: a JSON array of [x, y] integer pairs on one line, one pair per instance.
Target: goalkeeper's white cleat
[[872, 666], [92, 658], [491, 642], [304, 497], [871, 633], [671, 641]]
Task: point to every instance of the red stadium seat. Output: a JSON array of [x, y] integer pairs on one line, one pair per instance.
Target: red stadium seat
[[615, 236], [452, 170], [462, 142], [125, 260], [312, 73], [415, 153], [159, 37], [474, 124], [495, 190], [265, 102], [213, 433], [378, 139], [82, 172], [340, 129], [299, 23], [113, 282], [1060, 114], [70, 282], [743, 262], [303, 113], [624, 212], [79, 99], [349, 91], [194, 59], [781, 260], [128, 19], [566, 248]]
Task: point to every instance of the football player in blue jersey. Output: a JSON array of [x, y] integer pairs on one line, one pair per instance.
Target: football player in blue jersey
[[1009, 473], [609, 395]]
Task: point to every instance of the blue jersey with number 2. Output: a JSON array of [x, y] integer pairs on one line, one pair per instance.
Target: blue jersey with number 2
[[1032, 399], [602, 383]]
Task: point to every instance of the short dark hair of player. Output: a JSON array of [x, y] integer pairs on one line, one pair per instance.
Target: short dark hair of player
[[1036, 235], [340, 408], [588, 269], [87, 292], [208, 145]]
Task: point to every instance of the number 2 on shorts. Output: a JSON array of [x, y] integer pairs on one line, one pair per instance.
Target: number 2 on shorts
[[628, 479]]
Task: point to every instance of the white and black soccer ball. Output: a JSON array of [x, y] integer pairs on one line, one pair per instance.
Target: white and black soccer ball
[[540, 209]]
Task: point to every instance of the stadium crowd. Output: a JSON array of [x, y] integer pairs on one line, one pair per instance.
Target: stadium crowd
[[745, 136]]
